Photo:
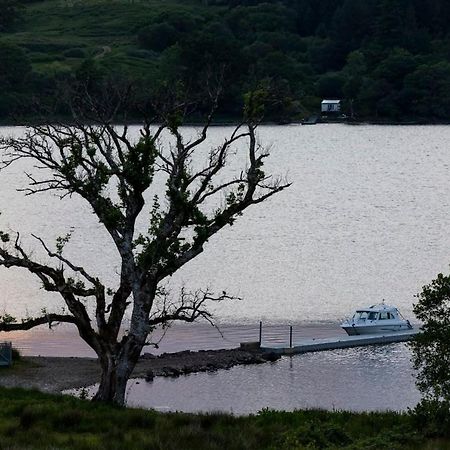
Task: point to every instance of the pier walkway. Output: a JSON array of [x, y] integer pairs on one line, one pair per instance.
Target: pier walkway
[[339, 342]]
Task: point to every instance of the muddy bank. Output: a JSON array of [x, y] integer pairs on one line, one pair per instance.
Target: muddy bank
[[56, 374]]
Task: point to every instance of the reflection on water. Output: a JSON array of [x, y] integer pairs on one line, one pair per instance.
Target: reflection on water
[[363, 379], [360, 379]]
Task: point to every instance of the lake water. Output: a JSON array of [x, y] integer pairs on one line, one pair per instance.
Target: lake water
[[373, 378], [364, 379], [366, 218]]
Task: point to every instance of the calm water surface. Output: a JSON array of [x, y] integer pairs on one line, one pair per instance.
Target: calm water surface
[[367, 217], [365, 379]]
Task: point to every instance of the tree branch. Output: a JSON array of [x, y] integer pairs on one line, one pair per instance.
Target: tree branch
[[31, 323], [189, 308]]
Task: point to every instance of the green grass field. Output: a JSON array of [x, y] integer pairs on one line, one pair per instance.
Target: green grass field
[[31, 420]]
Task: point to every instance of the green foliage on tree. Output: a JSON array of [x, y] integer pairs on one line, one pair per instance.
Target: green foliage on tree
[[10, 14], [431, 352], [15, 66], [429, 90], [330, 85], [158, 36], [14, 73]]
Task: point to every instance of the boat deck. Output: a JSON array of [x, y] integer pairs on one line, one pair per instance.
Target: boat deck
[[340, 342]]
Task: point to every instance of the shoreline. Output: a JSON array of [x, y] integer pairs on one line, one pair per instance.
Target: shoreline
[[57, 374], [232, 122]]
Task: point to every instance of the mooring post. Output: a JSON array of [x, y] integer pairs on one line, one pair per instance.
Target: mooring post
[[260, 333], [290, 336]]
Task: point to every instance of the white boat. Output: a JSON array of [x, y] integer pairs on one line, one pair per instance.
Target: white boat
[[375, 319]]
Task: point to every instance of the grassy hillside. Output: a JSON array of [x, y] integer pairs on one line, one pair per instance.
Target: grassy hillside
[[30, 420], [387, 59], [59, 35]]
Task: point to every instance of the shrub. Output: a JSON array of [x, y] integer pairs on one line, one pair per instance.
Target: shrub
[[432, 418], [157, 36], [68, 419], [75, 53], [141, 53], [140, 419], [30, 415]]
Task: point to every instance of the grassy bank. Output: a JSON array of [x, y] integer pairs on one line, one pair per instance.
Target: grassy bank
[[29, 419]]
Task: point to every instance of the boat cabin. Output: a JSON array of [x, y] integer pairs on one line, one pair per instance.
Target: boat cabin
[[368, 314], [375, 319]]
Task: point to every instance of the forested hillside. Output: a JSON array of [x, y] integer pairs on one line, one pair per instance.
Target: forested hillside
[[388, 59]]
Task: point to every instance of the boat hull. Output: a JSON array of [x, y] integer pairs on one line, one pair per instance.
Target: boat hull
[[353, 330]]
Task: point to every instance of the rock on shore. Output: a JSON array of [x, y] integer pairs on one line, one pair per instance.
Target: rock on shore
[[182, 363]]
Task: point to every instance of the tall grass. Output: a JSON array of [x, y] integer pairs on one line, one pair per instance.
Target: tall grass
[[32, 420]]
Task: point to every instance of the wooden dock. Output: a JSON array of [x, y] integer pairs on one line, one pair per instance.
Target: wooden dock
[[340, 342]]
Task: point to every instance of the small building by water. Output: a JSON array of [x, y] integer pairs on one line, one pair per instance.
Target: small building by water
[[331, 106]]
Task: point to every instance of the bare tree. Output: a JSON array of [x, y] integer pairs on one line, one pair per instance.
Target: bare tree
[[89, 158]]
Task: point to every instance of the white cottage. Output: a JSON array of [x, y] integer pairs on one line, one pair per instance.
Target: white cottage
[[331, 106]]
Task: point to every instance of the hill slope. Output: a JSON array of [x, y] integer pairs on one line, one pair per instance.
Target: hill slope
[[387, 59]]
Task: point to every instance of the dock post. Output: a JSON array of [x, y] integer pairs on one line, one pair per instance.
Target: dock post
[[260, 333], [290, 336]]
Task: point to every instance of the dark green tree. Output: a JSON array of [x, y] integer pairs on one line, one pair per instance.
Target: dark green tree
[[15, 72], [389, 75], [246, 21], [10, 14], [330, 85], [428, 88], [352, 22], [15, 66], [158, 36], [396, 24], [394, 68], [354, 74], [431, 348]]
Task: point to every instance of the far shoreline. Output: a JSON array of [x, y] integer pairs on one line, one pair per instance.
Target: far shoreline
[[230, 123]]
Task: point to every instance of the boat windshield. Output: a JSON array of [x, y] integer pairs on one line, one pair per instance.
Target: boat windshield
[[360, 315], [365, 315]]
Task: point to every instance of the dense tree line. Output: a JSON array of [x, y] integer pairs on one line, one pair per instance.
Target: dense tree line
[[389, 59]]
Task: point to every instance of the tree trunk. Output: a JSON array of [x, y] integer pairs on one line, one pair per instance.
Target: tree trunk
[[116, 371], [118, 360], [113, 382], [108, 387]]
